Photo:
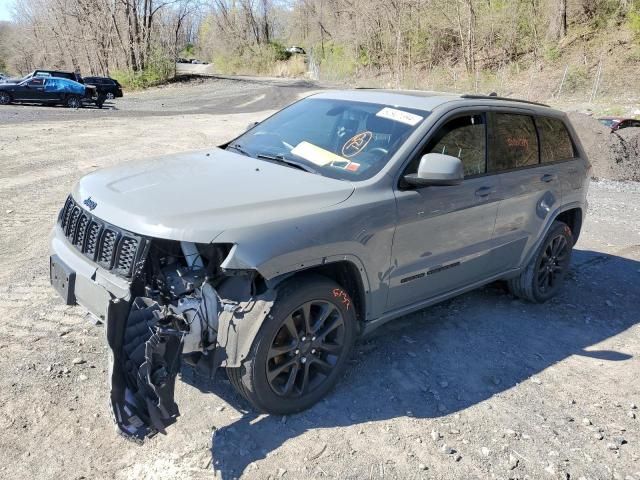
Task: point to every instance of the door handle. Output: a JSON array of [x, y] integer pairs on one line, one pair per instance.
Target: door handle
[[483, 191], [548, 177]]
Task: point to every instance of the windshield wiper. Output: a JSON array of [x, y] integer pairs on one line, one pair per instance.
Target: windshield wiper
[[238, 148], [285, 161], [279, 158]]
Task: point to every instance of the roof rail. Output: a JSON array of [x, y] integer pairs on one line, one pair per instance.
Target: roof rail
[[495, 97]]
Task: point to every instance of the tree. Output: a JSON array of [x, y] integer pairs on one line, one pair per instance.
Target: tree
[[558, 21]]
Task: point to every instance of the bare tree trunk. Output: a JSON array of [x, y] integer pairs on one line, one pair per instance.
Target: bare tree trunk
[[558, 21]]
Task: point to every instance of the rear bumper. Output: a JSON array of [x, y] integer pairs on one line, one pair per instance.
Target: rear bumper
[[93, 287]]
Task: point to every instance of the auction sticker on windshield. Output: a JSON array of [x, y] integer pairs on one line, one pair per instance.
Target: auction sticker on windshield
[[317, 155], [399, 116]]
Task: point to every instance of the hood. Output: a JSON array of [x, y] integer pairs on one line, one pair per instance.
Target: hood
[[196, 196]]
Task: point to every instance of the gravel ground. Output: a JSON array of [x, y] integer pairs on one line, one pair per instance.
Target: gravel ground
[[482, 386]]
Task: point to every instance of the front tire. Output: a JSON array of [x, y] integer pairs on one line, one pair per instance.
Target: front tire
[[544, 275], [301, 349], [110, 96], [5, 98], [73, 102]]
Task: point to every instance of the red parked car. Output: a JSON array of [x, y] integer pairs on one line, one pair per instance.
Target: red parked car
[[616, 123]]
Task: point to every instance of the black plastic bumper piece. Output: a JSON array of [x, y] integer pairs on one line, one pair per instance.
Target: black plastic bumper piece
[[146, 358], [63, 279]]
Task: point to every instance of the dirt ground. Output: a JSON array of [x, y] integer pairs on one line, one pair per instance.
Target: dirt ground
[[483, 386]]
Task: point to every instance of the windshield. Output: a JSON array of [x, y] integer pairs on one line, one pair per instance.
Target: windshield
[[336, 138], [607, 122]]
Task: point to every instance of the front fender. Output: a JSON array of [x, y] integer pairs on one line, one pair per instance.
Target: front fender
[[238, 325]]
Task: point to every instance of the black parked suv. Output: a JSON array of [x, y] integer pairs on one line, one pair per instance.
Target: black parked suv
[[109, 86]]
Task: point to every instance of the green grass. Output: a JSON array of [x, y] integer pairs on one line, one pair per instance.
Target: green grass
[[159, 70]]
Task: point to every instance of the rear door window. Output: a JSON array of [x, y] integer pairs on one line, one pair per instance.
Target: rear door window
[[555, 142], [514, 142]]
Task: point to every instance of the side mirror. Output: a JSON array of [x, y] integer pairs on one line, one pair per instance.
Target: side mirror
[[251, 125], [437, 169]]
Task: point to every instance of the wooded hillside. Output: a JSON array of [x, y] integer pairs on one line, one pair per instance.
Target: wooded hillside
[[537, 47]]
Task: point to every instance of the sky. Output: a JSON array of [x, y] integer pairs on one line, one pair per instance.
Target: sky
[[5, 9]]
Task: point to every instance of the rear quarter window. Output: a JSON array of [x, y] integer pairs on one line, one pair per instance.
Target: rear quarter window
[[555, 142], [514, 142]]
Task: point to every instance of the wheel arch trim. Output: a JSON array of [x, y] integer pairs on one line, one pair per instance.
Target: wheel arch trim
[[240, 321], [550, 219]]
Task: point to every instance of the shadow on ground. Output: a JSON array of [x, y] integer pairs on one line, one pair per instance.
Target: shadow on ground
[[108, 105], [447, 358]]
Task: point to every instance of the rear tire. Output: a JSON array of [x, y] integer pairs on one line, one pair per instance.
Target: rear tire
[[543, 277], [100, 101], [73, 102], [110, 96], [5, 98], [301, 349]]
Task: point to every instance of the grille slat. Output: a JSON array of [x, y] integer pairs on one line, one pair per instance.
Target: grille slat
[[73, 222], [80, 231], [109, 246], [93, 235], [66, 212], [126, 255]]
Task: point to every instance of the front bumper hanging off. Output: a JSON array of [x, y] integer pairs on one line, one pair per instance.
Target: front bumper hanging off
[[147, 341], [143, 364]]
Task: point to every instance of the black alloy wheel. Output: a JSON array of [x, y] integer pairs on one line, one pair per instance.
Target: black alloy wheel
[[5, 98], [301, 349], [305, 349], [543, 276], [553, 263]]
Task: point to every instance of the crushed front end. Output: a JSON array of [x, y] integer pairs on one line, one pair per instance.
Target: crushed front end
[[161, 304]]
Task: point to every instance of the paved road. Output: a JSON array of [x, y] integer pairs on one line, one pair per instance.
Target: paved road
[[193, 95]]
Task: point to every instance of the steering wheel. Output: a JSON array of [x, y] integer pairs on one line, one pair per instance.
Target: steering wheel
[[384, 151]]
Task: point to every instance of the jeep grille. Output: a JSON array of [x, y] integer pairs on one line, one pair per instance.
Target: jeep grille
[[111, 247]]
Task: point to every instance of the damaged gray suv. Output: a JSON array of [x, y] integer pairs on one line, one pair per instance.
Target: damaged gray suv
[[270, 255]]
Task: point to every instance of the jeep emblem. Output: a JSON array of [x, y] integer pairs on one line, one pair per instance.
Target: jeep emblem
[[90, 203]]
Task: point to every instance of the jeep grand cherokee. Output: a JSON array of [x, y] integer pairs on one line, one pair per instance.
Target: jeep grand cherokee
[[271, 254]]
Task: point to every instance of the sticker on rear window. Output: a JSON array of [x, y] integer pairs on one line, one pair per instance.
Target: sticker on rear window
[[399, 116]]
